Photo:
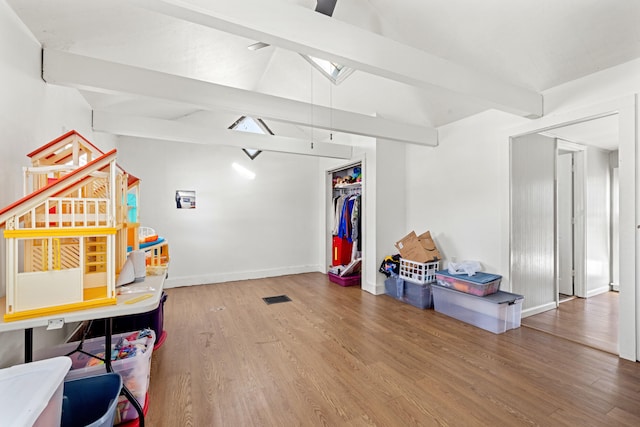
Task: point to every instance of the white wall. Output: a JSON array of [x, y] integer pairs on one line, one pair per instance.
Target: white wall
[[460, 191], [240, 228], [31, 114], [391, 201]]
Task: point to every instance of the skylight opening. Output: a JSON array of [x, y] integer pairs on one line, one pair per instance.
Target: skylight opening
[[336, 73], [251, 125], [251, 152]]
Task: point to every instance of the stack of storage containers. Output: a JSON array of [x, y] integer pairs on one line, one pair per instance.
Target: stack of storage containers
[[413, 284], [134, 367], [477, 300], [417, 270]]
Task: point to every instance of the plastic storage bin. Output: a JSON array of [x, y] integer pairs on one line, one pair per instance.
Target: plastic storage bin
[[31, 393], [345, 280], [91, 401], [134, 370], [479, 284], [495, 313], [418, 272], [153, 319], [136, 422], [418, 295]]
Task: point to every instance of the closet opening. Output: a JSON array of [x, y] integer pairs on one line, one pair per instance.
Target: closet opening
[[344, 225]]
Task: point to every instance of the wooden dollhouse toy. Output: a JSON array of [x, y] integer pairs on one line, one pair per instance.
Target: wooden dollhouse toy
[[68, 237]]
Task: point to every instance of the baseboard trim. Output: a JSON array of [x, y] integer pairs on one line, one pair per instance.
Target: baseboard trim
[[540, 309], [598, 291], [205, 279]]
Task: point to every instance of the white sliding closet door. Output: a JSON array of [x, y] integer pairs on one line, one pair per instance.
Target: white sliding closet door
[[565, 223], [533, 160], [598, 222]]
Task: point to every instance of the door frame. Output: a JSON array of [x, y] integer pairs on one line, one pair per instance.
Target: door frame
[[628, 118], [357, 160]]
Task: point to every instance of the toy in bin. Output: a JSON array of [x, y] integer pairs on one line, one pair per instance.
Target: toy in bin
[[390, 265]]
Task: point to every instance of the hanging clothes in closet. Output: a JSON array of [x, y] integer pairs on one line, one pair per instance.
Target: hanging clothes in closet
[[346, 228]]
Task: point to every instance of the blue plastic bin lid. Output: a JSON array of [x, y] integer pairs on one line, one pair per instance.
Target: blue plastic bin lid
[[479, 277], [502, 297]]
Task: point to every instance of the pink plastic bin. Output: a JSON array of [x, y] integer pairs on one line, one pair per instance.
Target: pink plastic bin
[[345, 280]]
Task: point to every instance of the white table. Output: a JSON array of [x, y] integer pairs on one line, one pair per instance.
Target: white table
[[146, 295]]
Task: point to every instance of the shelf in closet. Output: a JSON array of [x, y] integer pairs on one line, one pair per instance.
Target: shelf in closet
[[348, 186]]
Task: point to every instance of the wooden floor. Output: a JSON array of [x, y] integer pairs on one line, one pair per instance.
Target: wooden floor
[[592, 321], [338, 356]]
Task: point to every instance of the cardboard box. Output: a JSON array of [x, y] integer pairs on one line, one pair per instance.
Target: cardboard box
[[429, 246], [418, 248]]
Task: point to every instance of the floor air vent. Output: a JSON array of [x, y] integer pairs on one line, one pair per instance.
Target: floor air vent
[[276, 299]]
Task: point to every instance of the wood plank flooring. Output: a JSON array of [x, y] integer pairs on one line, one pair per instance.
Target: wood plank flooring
[[338, 356], [591, 321]]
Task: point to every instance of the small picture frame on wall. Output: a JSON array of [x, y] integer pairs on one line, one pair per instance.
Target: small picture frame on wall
[[185, 199]]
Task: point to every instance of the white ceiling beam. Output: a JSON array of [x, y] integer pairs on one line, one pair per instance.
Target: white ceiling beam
[[304, 31], [170, 130], [67, 69]]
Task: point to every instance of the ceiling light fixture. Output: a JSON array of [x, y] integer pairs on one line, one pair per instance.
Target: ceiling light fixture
[[257, 46]]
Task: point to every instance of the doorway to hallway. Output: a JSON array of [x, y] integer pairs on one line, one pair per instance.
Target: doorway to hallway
[[589, 321]]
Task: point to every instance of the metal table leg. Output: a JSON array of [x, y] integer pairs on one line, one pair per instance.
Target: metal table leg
[[28, 345], [107, 360]]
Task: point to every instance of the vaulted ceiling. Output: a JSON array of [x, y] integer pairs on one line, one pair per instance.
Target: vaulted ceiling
[[183, 67]]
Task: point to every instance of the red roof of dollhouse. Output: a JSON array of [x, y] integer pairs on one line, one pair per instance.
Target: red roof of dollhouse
[[56, 183], [60, 138], [131, 180]]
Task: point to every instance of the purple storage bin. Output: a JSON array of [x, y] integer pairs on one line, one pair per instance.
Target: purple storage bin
[[345, 280], [134, 322]]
